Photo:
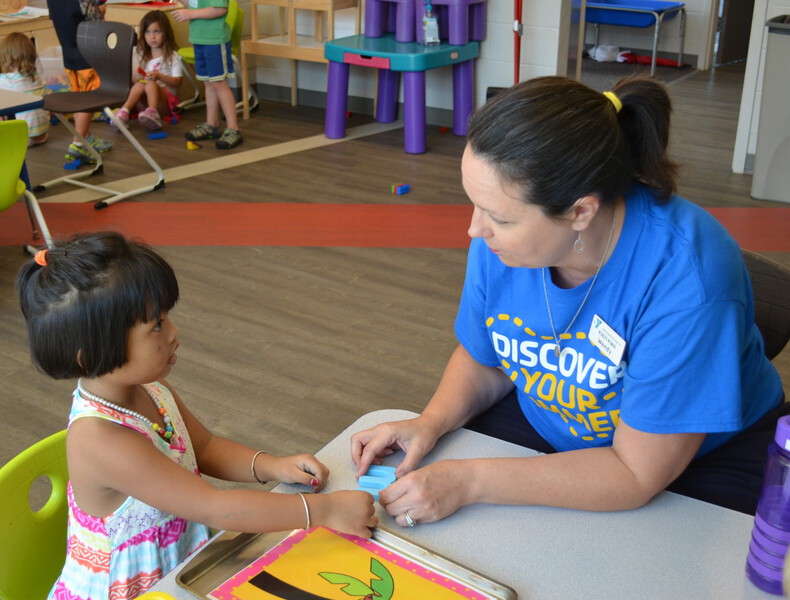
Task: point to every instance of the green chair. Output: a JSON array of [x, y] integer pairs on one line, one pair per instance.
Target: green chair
[[235, 20], [33, 544], [13, 148]]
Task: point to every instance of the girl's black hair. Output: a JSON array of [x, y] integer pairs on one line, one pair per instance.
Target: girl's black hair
[[80, 306], [559, 140]]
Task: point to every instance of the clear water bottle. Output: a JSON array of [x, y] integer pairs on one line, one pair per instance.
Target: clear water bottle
[[430, 26], [771, 531]]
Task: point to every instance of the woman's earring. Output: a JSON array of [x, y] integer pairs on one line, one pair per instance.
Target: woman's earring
[[578, 245]]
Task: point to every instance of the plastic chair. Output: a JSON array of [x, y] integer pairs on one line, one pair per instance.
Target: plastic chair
[[771, 289], [33, 544], [235, 20], [13, 149], [107, 46]]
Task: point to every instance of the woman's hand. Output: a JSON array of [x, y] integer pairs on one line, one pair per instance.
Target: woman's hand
[[427, 494], [299, 468], [349, 511], [414, 436]]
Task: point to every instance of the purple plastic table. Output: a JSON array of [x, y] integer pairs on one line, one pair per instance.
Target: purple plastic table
[[390, 58]]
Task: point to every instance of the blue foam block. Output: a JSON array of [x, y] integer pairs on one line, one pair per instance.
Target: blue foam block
[[371, 491], [158, 135], [377, 478]]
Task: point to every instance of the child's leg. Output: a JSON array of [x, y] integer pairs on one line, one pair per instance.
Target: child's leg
[[212, 104], [83, 81], [135, 95], [221, 98], [228, 103]]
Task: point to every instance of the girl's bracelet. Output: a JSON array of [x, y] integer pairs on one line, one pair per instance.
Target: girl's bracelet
[[252, 467], [306, 510]]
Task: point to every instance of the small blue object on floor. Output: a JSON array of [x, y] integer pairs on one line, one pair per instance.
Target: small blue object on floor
[[73, 165], [401, 188], [377, 478], [157, 135]]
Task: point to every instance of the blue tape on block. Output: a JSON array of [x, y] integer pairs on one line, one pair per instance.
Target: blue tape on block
[[158, 135], [377, 478], [377, 483], [382, 472]]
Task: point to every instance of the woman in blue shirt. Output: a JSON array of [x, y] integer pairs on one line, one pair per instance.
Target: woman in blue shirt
[[604, 321]]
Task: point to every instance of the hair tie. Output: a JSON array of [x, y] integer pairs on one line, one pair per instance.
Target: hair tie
[[618, 106], [41, 257]]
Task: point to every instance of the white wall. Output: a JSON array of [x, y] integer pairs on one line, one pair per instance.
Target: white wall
[[749, 117], [543, 52]]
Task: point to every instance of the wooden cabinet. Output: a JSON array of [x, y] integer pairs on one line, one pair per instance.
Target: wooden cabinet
[[287, 43]]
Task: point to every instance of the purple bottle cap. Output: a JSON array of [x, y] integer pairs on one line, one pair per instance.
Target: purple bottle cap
[[782, 436]]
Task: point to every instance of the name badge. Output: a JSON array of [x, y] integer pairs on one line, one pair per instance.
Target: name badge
[[606, 340]]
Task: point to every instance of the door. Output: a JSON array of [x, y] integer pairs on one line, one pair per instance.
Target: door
[[734, 28]]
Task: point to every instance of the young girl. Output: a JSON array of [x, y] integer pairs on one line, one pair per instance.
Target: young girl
[[159, 74], [97, 308], [20, 73]]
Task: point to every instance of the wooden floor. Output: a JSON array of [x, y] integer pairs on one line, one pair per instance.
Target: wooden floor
[[284, 346]]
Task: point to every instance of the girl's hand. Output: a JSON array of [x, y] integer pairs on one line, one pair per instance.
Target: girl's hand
[[428, 494], [300, 468], [413, 436], [349, 511]]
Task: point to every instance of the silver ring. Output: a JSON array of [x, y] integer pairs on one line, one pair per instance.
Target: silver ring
[[409, 521]]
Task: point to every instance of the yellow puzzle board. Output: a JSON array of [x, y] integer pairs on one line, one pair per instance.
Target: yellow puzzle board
[[292, 571]]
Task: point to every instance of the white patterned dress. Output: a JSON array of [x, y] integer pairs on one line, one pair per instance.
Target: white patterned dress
[[120, 556]]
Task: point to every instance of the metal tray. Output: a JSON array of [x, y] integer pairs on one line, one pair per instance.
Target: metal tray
[[231, 552]]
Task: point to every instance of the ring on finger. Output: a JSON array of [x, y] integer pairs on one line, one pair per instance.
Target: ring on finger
[[409, 521]]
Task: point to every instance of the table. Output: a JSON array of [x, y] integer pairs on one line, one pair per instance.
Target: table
[[638, 13], [391, 57], [675, 547], [12, 103], [40, 29]]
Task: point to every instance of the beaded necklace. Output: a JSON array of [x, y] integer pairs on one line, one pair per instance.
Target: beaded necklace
[[165, 432]]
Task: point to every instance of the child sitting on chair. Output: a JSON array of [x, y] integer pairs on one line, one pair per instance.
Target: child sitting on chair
[[158, 75], [20, 73], [98, 310]]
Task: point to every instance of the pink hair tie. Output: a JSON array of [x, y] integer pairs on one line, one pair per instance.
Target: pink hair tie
[[41, 257]]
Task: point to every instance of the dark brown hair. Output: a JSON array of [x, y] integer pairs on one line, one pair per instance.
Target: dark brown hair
[[93, 289], [559, 140], [169, 46]]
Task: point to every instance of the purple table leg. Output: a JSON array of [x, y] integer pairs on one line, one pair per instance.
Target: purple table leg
[[404, 21], [414, 111], [459, 23], [336, 100], [387, 96], [463, 95], [374, 18]]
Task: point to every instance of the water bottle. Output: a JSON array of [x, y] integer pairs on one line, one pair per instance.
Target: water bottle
[[430, 27], [771, 531]]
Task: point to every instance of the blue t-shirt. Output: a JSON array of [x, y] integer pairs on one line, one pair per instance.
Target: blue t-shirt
[[675, 289]]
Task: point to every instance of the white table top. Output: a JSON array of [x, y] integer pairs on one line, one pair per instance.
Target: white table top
[[675, 548], [12, 102]]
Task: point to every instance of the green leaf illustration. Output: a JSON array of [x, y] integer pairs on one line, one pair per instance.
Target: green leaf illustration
[[351, 585], [384, 586]]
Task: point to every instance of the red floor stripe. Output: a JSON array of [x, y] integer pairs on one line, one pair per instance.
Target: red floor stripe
[[349, 225]]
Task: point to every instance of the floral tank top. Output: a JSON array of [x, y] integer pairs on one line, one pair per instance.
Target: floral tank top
[[120, 556]]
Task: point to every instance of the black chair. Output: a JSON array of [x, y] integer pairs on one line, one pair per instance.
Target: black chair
[[771, 289], [107, 46]]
